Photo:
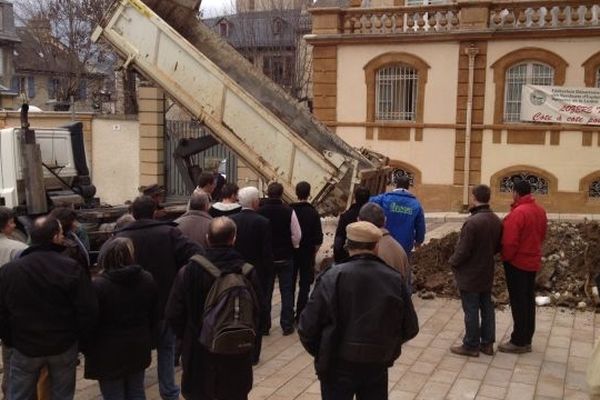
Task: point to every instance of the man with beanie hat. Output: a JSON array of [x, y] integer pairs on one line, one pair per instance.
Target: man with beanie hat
[[524, 231], [337, 324]]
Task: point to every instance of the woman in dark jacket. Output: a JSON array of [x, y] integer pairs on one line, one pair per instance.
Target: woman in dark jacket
[[119, 352]]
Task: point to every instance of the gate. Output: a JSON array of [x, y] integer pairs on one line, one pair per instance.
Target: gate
[[217, 157]]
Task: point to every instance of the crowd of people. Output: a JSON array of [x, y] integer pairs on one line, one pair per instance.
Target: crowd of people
[[200, 288]]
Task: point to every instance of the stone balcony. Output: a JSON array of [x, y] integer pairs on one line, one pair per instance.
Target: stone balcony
[[460, 16]]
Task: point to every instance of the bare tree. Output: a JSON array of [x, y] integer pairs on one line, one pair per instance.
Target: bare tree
[[63, 29]]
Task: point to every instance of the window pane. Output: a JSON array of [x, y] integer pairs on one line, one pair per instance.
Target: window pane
[[516, 77], [396, 93], [598, 78]]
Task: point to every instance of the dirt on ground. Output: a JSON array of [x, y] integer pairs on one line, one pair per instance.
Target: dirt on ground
[[570, 263]]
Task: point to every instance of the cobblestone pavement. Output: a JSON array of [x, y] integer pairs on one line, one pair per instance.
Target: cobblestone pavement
[[427, 370]]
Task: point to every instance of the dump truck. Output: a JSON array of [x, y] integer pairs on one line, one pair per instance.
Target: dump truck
[[277, 138]]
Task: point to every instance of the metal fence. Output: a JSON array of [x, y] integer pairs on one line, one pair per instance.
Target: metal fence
[[217, 157]]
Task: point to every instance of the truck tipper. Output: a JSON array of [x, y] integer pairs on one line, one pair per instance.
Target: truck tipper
[[276, 137]]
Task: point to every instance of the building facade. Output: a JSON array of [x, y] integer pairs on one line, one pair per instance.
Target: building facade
[[436, 86]]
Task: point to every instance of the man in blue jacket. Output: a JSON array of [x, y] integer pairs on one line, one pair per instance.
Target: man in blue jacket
[[404, 216]]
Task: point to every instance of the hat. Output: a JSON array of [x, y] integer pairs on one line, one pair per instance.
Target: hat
[[363, 232], [151, 190]]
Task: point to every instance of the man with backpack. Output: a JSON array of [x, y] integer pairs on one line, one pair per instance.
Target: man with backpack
[[214, 309]]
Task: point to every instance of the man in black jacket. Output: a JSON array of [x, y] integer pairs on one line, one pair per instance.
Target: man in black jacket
[[312, 239], [209, 376], [161, 249], [286, 235], [46, 306], [253, 242], [473, 264], [358, 316], [361, 197]]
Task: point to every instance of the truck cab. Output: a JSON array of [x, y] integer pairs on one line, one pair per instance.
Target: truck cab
[[65, 170]]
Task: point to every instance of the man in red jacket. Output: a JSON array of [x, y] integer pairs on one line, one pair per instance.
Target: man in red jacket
[[524, 230]]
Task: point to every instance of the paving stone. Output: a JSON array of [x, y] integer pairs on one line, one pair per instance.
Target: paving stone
[[520, 391], [492, 392], [473, 370], [444, 376], [411, 382], [524, 373], [434, 390], [464, 389], [498, 376]]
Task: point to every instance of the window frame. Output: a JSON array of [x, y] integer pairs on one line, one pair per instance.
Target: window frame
[[529, 77], [393, 58], [592, 71], [527, 54]]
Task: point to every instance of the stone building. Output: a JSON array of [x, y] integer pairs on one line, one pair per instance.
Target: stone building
[[436, 86]]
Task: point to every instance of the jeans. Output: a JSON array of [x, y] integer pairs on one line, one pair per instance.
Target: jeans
[[304, 266], [477, 334], [367, 383], [285, 273], [165, 364], [128, 388], [24, 373], [521, 291]]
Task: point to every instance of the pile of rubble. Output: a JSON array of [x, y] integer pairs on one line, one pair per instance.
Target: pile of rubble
[[570, 263]]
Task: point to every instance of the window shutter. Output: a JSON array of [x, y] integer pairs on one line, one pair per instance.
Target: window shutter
[[14, 83], [51, 89], [82, 90], [31, 87]]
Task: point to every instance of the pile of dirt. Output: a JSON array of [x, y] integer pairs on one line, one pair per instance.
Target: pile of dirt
[[570, 262]]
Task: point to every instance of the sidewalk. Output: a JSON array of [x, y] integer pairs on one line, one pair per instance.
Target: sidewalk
[[427, 370]]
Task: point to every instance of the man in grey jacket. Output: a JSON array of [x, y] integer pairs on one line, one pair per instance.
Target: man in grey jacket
[[473, 264], [194, 223]]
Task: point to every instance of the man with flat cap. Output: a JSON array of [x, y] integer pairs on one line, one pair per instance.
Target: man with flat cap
[[356, 320]]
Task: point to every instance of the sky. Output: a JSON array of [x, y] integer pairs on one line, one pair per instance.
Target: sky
[[214, 7]]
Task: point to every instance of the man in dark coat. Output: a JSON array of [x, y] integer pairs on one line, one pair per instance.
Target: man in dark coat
[[46, 306], [253, 242], [286, 235], [358, 316], [361, 197], [161, 249], [473, 264], [208, 376], [312, 239], [74, 246]]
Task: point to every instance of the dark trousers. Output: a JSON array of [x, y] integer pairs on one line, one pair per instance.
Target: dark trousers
[[304, 267], [284, 270], [521, 290], [477, 333], [367, 383]]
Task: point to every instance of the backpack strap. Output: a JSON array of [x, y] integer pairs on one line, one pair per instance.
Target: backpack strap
[[247, 268], [207, 265]]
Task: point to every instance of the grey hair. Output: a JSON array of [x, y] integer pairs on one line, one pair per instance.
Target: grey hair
[[247, 195], [199, 201]]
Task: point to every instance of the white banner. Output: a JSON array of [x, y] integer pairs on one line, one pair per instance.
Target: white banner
[[561, 105]]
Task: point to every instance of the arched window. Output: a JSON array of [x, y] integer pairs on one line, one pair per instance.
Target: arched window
[[594, 189], [591, 69], [399, 172], [526, 73], [396, 92], [539, 185], [529, 65], [396, 87]]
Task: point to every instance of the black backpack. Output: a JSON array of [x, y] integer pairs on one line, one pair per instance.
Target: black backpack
[[230, 316]]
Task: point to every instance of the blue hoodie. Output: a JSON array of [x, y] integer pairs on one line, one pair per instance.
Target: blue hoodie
[[405, 218]]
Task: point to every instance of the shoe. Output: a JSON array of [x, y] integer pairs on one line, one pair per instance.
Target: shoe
[[265, 332], [509, 347], [487, 349], [464, 351], [288, 331]]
